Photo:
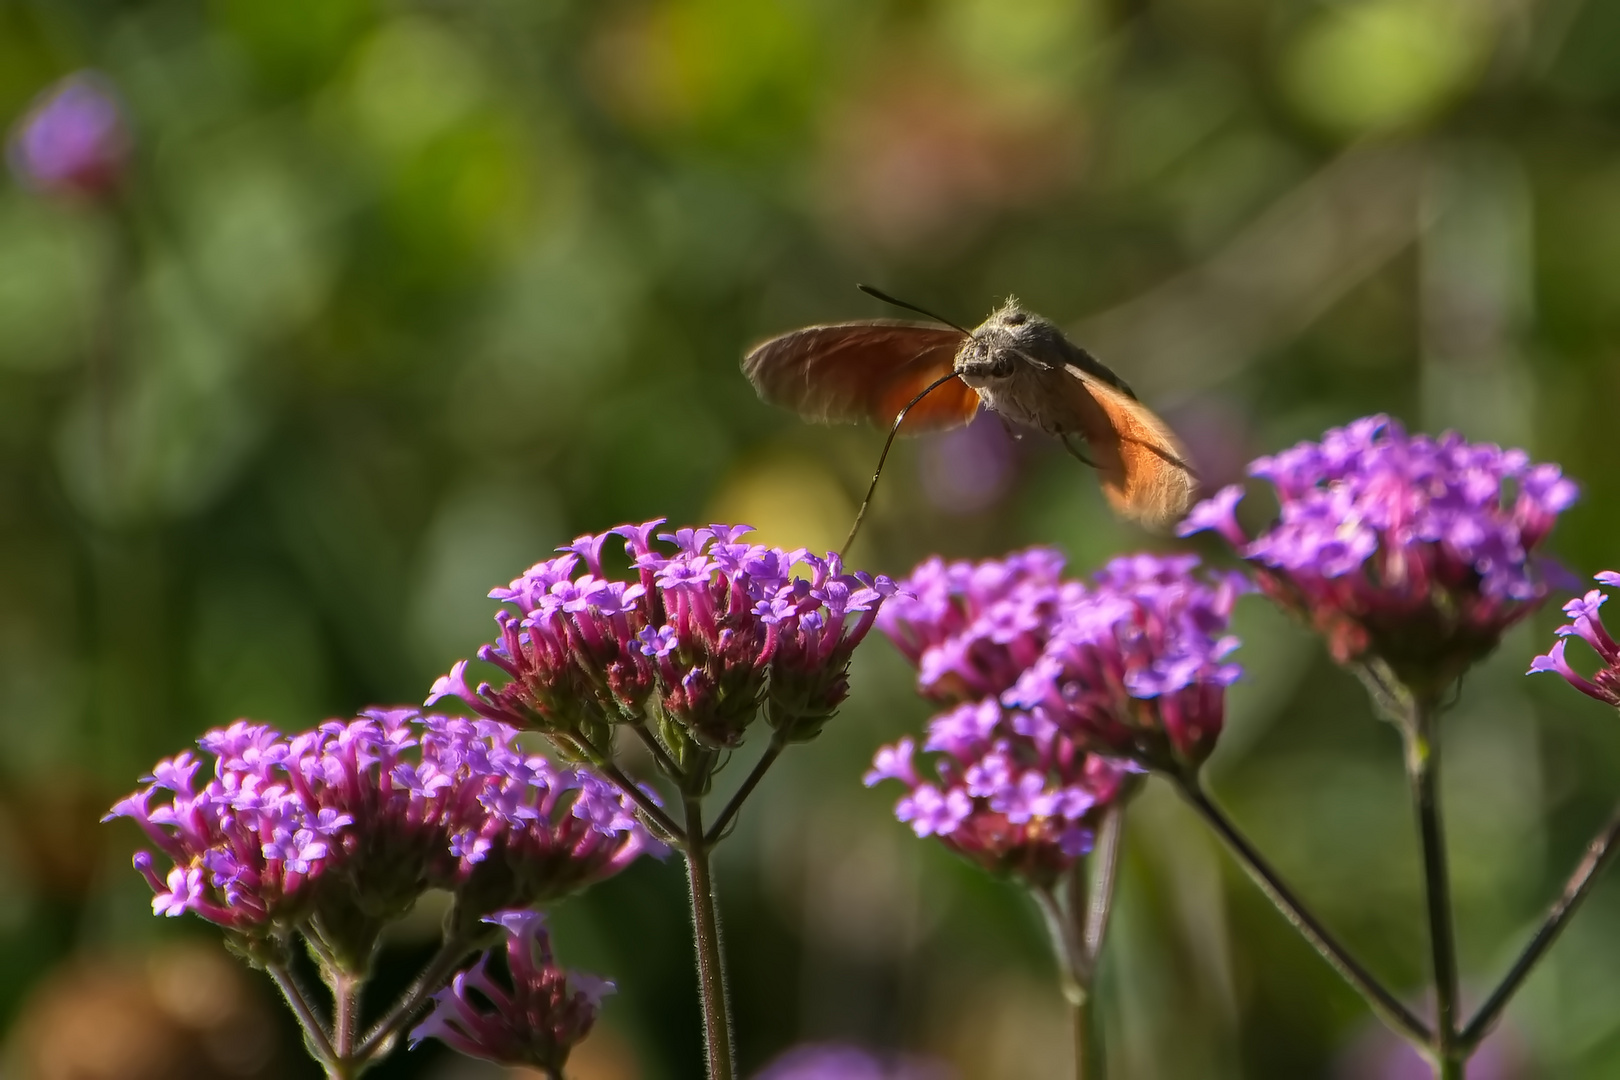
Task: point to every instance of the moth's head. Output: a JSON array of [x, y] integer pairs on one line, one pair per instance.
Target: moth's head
[[1012, 334]]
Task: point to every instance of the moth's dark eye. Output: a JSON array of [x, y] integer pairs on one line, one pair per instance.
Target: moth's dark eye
[[1017, 318]]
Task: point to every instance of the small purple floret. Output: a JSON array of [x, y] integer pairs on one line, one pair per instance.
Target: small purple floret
[[535, 1022], [1587, 625]]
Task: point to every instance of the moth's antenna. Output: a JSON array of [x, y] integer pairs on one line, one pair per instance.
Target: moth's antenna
[[871, 290], [887, 443]]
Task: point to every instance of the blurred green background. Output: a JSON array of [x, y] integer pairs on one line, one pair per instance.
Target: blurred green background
[[398, 296]]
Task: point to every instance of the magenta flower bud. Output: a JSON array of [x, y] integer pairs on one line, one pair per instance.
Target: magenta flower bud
[[1587, 624], [73, 139], [702, 637], [1412, 550], [536, 1022]]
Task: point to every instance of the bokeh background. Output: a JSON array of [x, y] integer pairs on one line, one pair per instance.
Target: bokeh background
[[397, 296]]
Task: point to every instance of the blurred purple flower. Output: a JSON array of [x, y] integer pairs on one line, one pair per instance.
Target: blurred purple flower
[[968, 470], [1379, 1054], [365, 815], [705, 636], [1136, 666], [1412, 549], [1008, 790], [834, 1061], [535, 1023], [1586, 623], [1218, 435], [73, 139]]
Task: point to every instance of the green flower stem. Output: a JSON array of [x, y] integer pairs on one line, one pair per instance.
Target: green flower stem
[[661, 822], [660, 756], [1380, 1000], [766, 760], [1077, 924], [1598, 854], [433, 977], [706, 938], [346, 988], [1067, 948], [1089, 1063], [1423, 776], [1104, 867], [314, 1031]]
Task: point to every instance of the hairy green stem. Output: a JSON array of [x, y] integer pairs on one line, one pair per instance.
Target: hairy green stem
[[1099, 897], [1089, 1063], [429, 982], [653, 814], [1379, 999], [1067, 947], [706, 938], [1423, 776], [766, 760], [1598, 853], [314, 1031], [346, 989], [1077, 923], [660, 756]]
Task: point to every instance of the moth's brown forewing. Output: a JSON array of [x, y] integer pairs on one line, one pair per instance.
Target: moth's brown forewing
[[871, 370], [851, 372]]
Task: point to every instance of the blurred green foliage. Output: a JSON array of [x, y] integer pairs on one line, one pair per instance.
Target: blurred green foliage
[[398, 296]]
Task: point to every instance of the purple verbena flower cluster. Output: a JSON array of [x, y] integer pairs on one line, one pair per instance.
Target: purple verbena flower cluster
[[536, 1023], [365, 815], [1014, 793], [1586, 623], [73, 139], [1135, 668], [1411, 549], [702, 636]]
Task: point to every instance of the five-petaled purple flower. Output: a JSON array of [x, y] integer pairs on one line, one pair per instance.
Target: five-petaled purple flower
[[535, 1023], [703, 635], [1136, 666], [1586, 623], [364, 815], [1009, 789], [72, 140], [1415, 550]]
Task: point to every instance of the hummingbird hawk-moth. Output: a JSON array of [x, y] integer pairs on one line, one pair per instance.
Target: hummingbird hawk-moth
[[920, 377]]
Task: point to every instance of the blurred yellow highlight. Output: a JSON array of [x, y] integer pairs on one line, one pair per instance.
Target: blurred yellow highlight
[[790, 501]]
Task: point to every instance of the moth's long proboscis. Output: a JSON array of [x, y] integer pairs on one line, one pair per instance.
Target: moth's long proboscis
[[887, 443]]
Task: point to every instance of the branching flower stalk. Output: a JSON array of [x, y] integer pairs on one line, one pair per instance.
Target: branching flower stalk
[[685, 652], [1063, 693], [1412, 556]]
